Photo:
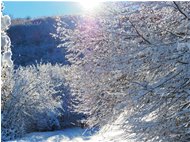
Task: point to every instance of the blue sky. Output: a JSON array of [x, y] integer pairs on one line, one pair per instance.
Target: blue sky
[[23, 9]]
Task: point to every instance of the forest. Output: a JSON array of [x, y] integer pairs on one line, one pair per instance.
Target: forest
[[124, 75]]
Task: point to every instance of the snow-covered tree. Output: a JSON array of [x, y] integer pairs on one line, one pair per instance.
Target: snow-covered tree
[[134, 57], [37, 100], [33, 98], [6, 62]]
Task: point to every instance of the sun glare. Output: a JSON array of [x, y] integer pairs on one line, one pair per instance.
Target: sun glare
[[89, 4]]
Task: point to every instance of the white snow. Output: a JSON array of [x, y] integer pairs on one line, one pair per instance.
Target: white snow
[[109, 133], [66, 135], [5, 22], [7, 58]]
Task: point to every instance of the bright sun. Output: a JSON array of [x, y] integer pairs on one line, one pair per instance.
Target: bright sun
[[89, 4]]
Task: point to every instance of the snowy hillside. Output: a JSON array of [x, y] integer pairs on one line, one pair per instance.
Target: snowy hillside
[[32, 42]]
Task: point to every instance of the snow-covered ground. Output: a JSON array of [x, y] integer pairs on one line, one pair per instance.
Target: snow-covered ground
[[109, 133], [67, 135]]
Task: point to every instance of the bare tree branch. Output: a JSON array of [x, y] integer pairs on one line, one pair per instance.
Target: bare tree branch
[[139, 33], [178, 8]]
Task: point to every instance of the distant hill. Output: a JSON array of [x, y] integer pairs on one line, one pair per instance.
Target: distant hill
[[32, 42]]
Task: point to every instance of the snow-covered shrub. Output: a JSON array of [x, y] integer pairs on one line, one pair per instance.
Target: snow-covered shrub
[[34, 99], [133, 57], [6, 62]]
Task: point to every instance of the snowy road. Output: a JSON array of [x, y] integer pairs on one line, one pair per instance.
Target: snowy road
[[67, 135], [109, 133]]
